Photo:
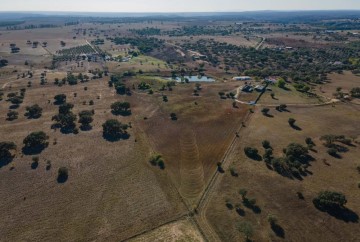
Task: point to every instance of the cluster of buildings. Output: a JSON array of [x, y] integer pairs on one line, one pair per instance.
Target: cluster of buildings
[[249, 87]]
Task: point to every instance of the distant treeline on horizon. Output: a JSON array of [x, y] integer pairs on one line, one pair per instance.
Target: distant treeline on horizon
[[15, 18]]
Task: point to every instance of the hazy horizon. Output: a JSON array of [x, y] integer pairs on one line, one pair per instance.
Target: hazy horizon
[[163, 6]]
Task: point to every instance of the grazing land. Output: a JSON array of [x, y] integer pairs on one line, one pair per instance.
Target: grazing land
[[224, 127]]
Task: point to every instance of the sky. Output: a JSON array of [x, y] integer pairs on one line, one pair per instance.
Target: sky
[[174, 5]]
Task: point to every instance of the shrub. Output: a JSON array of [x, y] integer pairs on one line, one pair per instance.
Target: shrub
[[63, 174], [156, 160], [243, 193], [48, 165], [265, 111], [272, 219], [291, 121], [173, 116], [246, 228], [281, 83], [233, 172], [12, 115], [35, 162], [266, 144]]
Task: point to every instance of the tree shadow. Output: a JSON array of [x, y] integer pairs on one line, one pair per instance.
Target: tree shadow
[[337, 156], [34, 165], [85, 127], [33, 150], [255, 157], [32, 116], [234, 174], [124, 114], [256, 209], [294, 126], [112, 138], [4, 161], [62, 178], [67, 129], [220, 169], [229, 206], [268, 115], [58, 103], [14, 106], [278, 230], [342, 213], [240, 211], [341, 148]]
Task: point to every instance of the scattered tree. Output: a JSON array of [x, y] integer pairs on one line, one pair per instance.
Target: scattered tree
[[265, 111], [122, 108], [291, 122], [12, 115], [35, 142], [173, 116], [33, 112], [85, 118], [247, 229], [328, 200], [60, 99], [63, 175], [114, 130], [266, 144]]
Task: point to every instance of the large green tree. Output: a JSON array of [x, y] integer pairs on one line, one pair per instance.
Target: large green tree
[[113, 129], [329, 200], [35, 141], [33, 111], [122, 108]]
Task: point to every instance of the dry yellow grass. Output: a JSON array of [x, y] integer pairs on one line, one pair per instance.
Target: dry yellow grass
[[112, 192], [180, 231], [276, 194]]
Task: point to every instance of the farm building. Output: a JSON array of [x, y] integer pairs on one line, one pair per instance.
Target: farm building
[[247, 88], [259, 88], [241, 78]]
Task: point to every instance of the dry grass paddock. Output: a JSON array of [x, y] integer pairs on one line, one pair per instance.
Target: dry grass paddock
[[277, 195]]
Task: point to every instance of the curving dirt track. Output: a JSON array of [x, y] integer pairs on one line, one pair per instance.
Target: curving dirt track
[[192, 181]]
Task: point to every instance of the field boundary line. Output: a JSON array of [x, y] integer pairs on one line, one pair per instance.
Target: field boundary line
[[156, 227], [212, 185]]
